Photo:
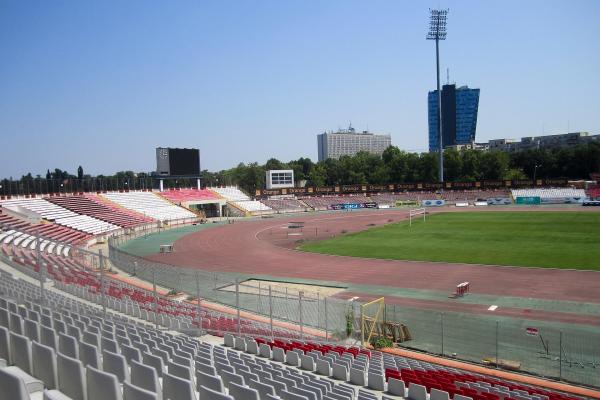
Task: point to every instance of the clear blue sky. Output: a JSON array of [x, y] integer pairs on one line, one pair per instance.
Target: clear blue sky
[[102, 83]]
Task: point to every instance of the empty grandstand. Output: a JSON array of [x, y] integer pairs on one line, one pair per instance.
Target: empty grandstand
[[23, 236], [93, 206], [285, 205], [231, 193], [186, 195], [41, 208], [14, 226], [391, 199], [594, 192], [473, 195], [149, 205], [550, 195], [203, 200], [67, 347], [253, 207], [242, 201], [326, 202]]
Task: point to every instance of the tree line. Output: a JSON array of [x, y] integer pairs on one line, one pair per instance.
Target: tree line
[[394, 166], [398, 166], [60, 181]]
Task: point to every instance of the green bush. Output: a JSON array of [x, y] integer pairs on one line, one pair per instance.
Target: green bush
[[349, 322], [381, 342]]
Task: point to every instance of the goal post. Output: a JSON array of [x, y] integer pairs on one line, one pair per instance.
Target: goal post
[[414, 213], [371, 320]]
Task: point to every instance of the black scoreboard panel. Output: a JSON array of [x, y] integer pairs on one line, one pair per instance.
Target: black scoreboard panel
[[184, 162]]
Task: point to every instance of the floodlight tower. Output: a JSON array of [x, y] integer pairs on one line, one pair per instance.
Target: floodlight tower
[[437, 32]]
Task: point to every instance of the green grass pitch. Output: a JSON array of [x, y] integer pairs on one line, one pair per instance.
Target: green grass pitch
[[527, 239]]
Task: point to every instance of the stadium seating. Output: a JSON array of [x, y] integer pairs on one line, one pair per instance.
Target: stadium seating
[[253, 206], [149, 205], [60, 215], [22, 234], [73, 349], [231, 193], [73, 275], [182, 195], [92, 206], [393, 374], [448, 195], [325, 202], [594, 192], [87, 224], [560, 193], [390, 199], [45, 209], [284, 205], [67, 346], [473, 195]]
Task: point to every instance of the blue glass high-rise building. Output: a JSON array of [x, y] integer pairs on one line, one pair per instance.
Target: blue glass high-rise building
[[459, 116]]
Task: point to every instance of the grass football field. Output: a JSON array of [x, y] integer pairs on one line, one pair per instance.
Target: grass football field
[[527, 239]]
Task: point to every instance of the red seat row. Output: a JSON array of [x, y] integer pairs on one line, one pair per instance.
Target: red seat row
[[446, 381], [309, 346]]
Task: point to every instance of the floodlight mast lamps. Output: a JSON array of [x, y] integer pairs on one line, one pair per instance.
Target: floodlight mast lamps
[[437, 32]]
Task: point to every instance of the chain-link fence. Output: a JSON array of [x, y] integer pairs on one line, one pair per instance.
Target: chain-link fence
[[86, 275], [566, 352], [304, 309]]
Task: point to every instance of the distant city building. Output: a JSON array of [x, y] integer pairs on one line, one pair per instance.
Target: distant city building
[[459, 116], [543, 142], [349, 142], [469, 146]]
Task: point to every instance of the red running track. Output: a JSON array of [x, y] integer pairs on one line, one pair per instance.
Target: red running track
[[263, 247]]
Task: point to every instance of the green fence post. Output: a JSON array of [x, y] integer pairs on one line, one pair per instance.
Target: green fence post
[[300, 317], [287, 305], [102, 295], [258, 304], [560, 357], [155, 297], [318, 310], [497, 325], [325, 306], [38, 261], [237, 304], [198, 299], [442, 330], [271, 313]]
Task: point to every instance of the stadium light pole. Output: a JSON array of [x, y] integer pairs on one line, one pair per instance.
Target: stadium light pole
[[437, 32]]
